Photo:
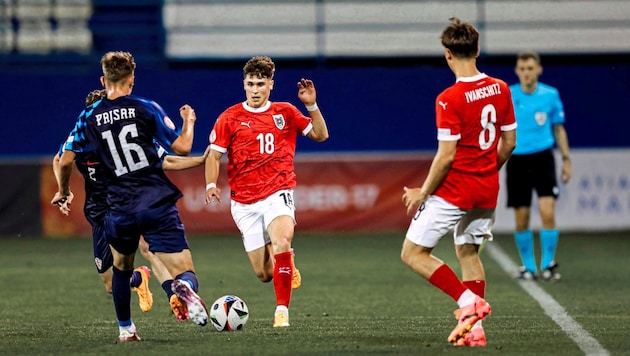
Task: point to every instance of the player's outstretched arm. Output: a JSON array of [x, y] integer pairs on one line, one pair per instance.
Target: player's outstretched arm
[[212, 174], [64, 208], [177, 163], [63, 169], [183, 144], [56, 166], [308, 96]]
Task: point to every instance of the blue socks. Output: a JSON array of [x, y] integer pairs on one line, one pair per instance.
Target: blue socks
[[548, 244], [190, 278], [125, 324], [136, 279], [122, 295], [525, 244], [166, 286]]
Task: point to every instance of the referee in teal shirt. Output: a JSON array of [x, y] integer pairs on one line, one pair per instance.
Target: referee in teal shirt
[[540, 117]]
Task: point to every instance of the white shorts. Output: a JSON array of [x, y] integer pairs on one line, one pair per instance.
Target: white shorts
[[253, 219], [436, 217]]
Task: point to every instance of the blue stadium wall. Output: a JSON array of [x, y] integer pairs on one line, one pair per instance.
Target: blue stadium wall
[[376, 103], [384, 105]]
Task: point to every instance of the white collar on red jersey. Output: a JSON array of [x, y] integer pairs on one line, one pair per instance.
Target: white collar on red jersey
[[472, 79], [260, 109]]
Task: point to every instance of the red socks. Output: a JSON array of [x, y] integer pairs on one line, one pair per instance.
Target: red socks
[[477, 286], [445, 279], [282, 275]]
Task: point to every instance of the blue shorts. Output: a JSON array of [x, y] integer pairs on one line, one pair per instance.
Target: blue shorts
[[102, 253], [161, 227]]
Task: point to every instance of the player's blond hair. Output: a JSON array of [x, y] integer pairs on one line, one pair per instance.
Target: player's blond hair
[[117, 66], [260, 67], [461, 38]]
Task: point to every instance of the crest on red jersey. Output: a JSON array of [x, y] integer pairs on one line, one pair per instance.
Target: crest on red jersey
[[279, 121]]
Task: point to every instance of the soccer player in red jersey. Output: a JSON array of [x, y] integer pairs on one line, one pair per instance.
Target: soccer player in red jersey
[[259, 137], [476, 135]]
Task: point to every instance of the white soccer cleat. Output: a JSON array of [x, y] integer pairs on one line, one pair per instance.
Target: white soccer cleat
[[197, 311]]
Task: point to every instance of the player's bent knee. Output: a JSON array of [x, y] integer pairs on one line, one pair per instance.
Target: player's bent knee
[[405, 256], [144, 248]]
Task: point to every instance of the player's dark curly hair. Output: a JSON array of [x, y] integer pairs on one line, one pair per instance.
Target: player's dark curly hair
[[259, 66], [117, 66], [461, 38], [94, 96]]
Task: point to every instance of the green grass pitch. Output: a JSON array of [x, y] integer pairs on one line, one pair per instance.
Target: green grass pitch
[[357, 298]]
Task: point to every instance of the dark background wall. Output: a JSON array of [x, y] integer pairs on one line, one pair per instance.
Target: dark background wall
[[370, 105], [19, 200]]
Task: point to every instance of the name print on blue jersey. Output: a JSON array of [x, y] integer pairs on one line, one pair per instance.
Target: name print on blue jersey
[[109, 117]]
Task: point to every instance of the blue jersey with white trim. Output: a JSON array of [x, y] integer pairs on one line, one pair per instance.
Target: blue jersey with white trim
[[89, 165], [124, 133], [536, 114]]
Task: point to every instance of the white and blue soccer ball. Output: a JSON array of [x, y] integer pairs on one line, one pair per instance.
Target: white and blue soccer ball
[[229, 313]]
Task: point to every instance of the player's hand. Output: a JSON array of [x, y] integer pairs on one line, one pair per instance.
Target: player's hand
[[63, 202], [306, 91], [412, 198], [187, 113], [213, 194], [565, 175]]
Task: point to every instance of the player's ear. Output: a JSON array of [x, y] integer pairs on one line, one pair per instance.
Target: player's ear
[[271, 84], [448, 54], [103, 81]]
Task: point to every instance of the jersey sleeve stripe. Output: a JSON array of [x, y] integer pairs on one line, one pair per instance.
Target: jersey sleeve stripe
[[307, 129], [218, 148], [444, 137], [509, 127]]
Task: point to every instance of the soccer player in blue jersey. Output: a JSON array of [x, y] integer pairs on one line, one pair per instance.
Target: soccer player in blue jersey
[[89, 166], [540, 117], [94, 210], [121, 128]]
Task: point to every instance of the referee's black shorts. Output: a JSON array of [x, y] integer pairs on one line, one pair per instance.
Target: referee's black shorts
[[536, 171]]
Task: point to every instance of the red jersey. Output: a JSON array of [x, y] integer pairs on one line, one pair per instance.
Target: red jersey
[[473, 112], [260, 144]]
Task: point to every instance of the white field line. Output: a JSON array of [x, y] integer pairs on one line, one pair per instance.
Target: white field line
[[555, 311]]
